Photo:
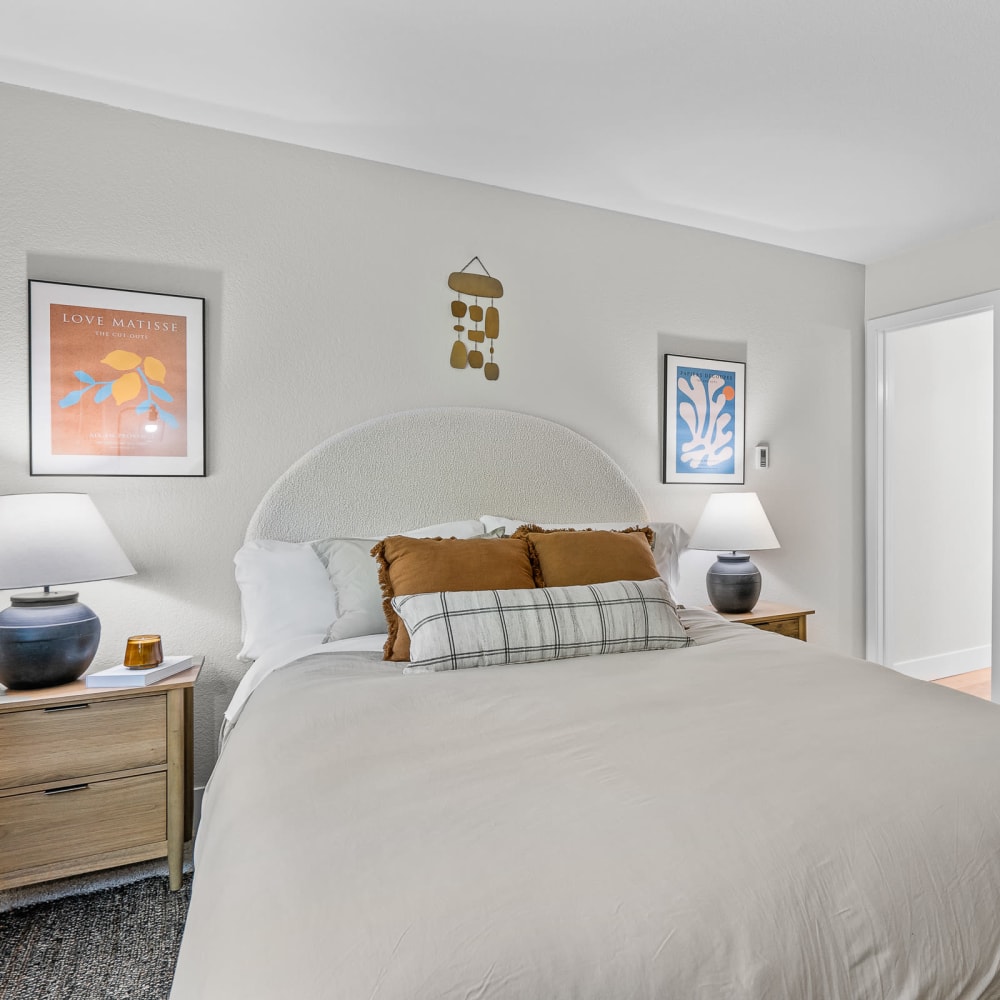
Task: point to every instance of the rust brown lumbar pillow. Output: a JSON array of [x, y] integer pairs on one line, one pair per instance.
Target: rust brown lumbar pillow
[[570, 558], [428, 565]]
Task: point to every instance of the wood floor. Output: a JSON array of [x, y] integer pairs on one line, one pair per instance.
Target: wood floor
[[976, 682]]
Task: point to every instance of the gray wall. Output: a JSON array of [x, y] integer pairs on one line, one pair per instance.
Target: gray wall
[[327, 305]]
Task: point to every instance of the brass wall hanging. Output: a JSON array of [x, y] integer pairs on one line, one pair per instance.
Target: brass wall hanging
[[477, 286]]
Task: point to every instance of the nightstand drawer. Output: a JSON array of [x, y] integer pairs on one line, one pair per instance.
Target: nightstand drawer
[[60, 742], [770, 617], [40, 828], [783, 626]]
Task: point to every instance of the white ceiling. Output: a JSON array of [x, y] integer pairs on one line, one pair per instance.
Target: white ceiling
[[850, 128]]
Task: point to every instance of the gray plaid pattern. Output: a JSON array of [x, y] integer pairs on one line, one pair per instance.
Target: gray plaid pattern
[[477, 628]]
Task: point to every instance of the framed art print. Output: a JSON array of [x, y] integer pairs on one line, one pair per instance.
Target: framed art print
[[703, 420], [117, 382]]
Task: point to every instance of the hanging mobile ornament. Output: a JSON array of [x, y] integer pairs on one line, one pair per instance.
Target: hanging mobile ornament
[[476, 335], [492, 332], [478, 286], [459, 354]]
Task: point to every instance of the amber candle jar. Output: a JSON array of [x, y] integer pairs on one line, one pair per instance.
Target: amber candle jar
[[143, 652]]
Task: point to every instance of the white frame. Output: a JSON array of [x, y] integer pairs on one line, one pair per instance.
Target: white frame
[[43, 294], [878, 488]]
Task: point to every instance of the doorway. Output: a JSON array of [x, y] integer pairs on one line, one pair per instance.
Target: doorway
[[930, 511]]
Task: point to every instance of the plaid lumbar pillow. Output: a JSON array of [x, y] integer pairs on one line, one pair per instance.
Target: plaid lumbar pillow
[[477, 628]]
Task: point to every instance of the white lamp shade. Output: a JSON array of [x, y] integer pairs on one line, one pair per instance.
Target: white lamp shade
[[53, 538], [733, 522]]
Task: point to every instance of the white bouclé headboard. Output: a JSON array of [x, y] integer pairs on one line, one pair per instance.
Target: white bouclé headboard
[[427, 466]]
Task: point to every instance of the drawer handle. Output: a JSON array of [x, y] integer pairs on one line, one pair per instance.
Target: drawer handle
[[66, 708], [65, 788]]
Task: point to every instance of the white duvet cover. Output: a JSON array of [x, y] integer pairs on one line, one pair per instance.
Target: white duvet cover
[[750, 817]]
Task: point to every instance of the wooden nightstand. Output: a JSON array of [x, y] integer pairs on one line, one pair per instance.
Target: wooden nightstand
[[770, 617], [91, 778]]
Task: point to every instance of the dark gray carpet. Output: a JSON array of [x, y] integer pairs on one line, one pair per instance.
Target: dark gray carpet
[[113, 944]]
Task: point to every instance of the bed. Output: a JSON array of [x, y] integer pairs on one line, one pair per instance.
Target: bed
[[733, 815]]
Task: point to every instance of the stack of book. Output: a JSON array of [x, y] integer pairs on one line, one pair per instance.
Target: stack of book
[[122, 676]]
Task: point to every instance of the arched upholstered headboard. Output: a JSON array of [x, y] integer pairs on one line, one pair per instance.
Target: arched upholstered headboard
[[420, 467]]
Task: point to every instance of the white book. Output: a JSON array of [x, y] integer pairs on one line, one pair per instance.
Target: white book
[[122, 676]]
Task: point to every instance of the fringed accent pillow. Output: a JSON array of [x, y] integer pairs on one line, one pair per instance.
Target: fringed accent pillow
[[425, 565], [449, 631], [571, 558]]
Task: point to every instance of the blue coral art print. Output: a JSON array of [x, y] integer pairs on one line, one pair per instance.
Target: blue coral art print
[[706, 419], [703, 421]]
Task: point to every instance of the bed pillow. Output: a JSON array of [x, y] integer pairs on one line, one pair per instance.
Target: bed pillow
[[510, 524], [449, 631], [354, 574], [285, 593], [471, 528], [671, 540], [425, 565], [571, 558]]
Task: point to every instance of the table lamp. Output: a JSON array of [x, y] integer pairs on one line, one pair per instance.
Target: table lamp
[[737, 522], [48, 637]]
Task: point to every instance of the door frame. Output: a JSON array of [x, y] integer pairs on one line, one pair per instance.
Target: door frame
[[878, 487]]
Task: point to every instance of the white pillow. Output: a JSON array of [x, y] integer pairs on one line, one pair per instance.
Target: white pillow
[[471, 528], [476, 628], [353, 573], [490, 522], [285, 592], [671, 540]]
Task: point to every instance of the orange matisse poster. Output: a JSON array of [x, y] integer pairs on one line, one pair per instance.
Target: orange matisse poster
[[117, 381]]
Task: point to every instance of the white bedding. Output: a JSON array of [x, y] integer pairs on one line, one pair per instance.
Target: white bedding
[[750, 817], [284, 653]]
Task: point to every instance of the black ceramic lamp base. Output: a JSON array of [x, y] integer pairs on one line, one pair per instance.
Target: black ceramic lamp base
[[733, 583], [46, 638]]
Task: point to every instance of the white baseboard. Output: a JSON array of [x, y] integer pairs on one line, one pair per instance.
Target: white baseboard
[[960, 661]]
